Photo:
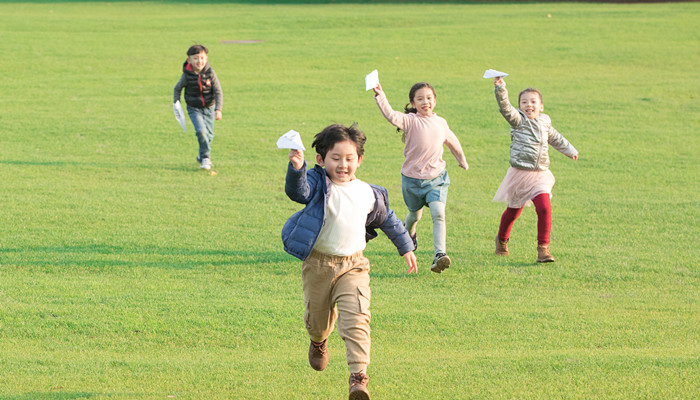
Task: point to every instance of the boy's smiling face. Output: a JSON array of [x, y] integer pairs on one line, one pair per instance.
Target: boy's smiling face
[[198, 61], [341, 161]]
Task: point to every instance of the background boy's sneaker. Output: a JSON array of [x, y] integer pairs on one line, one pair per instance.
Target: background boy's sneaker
[[358, 386], [318, 355], [543, 255], [440, 263], [206, 164]]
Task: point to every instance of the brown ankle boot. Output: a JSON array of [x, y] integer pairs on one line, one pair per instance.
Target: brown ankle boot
[[358, 386], [501, 247], [318, 355], [543, 255]]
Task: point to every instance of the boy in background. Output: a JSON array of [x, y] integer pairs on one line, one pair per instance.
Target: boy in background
[[204, 99]]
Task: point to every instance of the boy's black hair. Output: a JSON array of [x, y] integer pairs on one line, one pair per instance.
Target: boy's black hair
[[196, 49], [336, 133]]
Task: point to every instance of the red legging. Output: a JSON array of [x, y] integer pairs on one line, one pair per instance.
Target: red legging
[[544, 219]]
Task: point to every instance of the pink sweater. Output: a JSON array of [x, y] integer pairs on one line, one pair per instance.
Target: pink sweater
[[425, 137]]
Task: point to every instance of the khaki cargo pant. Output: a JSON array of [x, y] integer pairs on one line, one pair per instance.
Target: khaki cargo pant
[[337, 288]]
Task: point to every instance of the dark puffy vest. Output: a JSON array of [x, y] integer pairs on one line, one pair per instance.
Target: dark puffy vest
[[198, 91]]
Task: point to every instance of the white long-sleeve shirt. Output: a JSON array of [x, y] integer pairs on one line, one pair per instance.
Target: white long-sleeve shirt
[[343, 233]]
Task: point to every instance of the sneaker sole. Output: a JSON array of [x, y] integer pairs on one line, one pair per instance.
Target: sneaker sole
[[546, 260], [441, 264], [359, 395]]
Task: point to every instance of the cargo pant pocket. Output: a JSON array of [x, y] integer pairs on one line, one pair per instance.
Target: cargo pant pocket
[[364, 294]]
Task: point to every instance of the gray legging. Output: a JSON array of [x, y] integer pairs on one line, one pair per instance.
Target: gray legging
[[437, 212]]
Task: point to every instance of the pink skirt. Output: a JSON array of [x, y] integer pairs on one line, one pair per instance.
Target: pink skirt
[[519, 187]]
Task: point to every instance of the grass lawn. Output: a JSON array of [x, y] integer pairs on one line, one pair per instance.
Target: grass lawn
[[126, 272]]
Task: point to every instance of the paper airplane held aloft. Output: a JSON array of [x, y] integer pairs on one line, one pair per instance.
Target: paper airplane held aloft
[[372, 80], [290, 140], [492, 73]]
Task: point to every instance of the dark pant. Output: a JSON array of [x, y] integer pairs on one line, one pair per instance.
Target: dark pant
[[203, 121]]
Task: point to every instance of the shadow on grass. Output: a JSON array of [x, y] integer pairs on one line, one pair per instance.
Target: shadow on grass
[[57, 395], [38, 163], [298, 1], [168, 257], [52, 396]]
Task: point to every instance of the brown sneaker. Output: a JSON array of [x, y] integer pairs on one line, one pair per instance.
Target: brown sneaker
[[543, 255], [358, 386], [440, 263], [501, 247], [318, 355]]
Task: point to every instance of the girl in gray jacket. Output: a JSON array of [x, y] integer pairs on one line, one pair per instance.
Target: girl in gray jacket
[[528, 179]]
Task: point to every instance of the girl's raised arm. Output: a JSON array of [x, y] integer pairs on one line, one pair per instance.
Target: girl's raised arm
[[378, 90]]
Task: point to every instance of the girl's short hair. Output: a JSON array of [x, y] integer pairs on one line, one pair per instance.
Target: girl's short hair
[[332, 134], [196, 49], [530, 90]]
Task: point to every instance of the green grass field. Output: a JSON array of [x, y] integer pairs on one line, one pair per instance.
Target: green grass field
[[126, 272]]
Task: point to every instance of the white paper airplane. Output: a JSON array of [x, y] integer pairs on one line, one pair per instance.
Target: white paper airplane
[[492, 73], [290, 140], [372, 80], [179, 114]]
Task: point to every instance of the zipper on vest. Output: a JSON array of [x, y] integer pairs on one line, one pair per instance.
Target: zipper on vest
[[201, 91]]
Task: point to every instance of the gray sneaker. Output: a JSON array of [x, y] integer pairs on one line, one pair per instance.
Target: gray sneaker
[[206, 164], [440, 263]]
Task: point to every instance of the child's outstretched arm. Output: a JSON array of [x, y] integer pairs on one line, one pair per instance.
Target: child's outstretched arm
[[559, 142], [296, 157], [378, 90], [456, 149], [509, 112], [299, 185], [396, 118], [177, 90]]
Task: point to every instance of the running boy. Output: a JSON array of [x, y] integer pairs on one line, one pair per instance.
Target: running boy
[[329, 235], [204, 99]]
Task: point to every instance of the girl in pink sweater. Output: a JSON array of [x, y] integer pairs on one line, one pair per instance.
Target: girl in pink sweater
[[424, 179]]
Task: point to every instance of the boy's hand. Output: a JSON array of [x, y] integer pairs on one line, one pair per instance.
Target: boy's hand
[[497, 81], [378, 90], [464, 166], [575, 157], [411, 261], [296, 157], [218, 115]]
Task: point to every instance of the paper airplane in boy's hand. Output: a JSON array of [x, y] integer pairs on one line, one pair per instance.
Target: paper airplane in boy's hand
[[179, 114], [290, 140], [372, 80], [492, 73]]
